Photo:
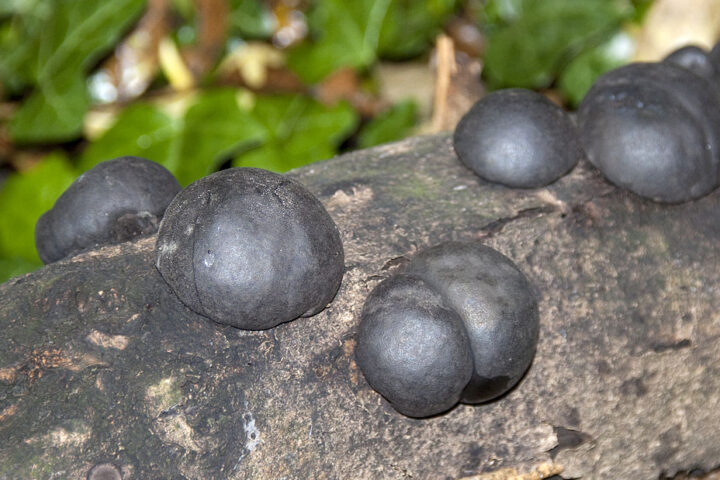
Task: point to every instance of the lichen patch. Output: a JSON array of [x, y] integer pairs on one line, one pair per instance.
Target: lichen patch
[[163, 395], [175, 430], [358, 198], [63, 438], [103, 340]]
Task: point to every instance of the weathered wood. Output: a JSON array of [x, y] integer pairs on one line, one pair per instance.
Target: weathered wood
[[99, 362]]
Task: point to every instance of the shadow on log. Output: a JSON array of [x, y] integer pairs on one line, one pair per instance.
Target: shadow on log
[[100, 363]]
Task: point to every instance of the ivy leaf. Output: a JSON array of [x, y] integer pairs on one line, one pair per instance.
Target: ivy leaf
[[212, 129], [141, 130], [582, 72], [24, 197], [346, 34], [353, 34], [410, 26], [391, 125], [534, 40], [250, 19], [16, 266], [53, 113], [297, 131], [73, 36], [16, 51], [215, 128]]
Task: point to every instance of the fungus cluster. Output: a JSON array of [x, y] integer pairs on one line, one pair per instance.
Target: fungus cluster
[[654, 128], [651, 128], [459, 324], [113, 202], [250, 248]]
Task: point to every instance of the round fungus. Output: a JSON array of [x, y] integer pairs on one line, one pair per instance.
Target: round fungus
[[113, 202], [250, 248], [459, 324], [692, 58], [518, 138], [654, 129], [104, 471]]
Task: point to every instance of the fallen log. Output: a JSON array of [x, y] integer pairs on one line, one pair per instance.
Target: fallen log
[[101, 363]]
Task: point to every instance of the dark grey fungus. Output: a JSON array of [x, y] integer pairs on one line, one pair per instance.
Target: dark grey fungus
[[250, 248], [459, 324], [692, 58], [654, 129], [113, 202], [104, 471], [518, 138]]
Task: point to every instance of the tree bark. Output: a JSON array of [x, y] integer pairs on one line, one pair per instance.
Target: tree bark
[[100, 362]]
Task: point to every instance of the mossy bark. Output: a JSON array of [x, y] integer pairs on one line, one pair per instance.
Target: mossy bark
[[99, 361]]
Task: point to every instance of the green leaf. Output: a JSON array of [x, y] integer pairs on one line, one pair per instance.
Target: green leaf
[[298, 131], [582, 72], [16, 266], [250, 19], [394, 124], [23, 198], [410, 26], [53, 113], [213, 128], [17, 49], [75, 34], [346, 34], [353, 34], [141, 130], [542, 36]]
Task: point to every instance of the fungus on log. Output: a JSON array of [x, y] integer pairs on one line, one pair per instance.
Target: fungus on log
[[250, 248], [101, 363]]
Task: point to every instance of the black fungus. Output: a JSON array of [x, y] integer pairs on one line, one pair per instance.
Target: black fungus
[[459, 324], [250, 248], [104, 471], [654, 129], [694, 59], [518, 138], [113, 202]]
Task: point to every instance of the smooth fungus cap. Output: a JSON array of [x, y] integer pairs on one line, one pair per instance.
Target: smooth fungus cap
[[250, 248], [459, 324], [518, 138], [113, 202], [654, 129]]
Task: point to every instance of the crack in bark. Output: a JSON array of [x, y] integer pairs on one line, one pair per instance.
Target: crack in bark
[[496, 226]]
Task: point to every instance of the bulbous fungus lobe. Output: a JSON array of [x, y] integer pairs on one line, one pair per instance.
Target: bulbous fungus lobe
[[518, 138], [113, 202], [654, 129], [459, 324], [250, 248], [692, 58]]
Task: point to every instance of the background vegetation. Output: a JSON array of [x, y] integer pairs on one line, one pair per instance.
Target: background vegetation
[[198, 85]]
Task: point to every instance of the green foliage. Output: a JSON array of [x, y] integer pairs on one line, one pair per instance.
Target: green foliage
[[16, 266], [584, 69], [346, 34], [353, 34], [410, 26], [16, 49], [278, 133], [140, 130], [190, 147], [250, 19], [532, 41], [393, 124], [58, 51], [24, 197], [297, 131]]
